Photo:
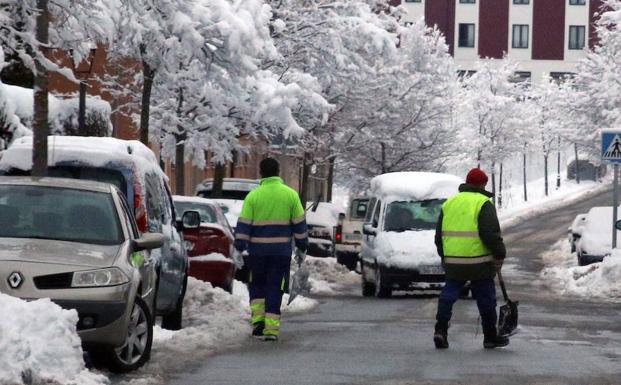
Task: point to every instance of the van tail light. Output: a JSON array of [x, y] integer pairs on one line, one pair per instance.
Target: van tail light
[[338, 234], [139, 209]]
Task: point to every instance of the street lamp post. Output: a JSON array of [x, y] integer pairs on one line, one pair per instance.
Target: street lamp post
[[558, 165], [82, 71]]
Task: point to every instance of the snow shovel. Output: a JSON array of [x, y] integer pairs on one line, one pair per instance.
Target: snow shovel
[[299, 282], [508, 317]]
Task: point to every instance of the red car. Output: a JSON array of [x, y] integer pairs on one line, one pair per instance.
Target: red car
[[210, 246]]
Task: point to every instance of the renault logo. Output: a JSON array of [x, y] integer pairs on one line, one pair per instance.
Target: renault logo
[[15, 280]]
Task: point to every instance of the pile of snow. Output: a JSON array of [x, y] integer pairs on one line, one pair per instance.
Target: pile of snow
[[408, 249], [327, 277], [213, 257], [414, 185], [601, 280], [39, 344]]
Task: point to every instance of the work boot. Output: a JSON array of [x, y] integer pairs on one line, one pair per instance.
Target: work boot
[[257, 329], [270, 337], [492, 340], [440, 336]]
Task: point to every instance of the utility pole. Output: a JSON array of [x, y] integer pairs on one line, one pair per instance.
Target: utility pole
[[40, 122]]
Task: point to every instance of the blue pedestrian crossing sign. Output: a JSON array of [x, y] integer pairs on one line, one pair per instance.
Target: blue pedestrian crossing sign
[[611, 146]]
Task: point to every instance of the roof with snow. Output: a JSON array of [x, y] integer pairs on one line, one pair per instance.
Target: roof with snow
[[414, 185]]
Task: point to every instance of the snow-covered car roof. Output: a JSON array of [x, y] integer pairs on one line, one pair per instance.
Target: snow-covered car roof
[[597, 232], [326, 215], [93, 151], [193, 199], [238, 184], [414, 185]]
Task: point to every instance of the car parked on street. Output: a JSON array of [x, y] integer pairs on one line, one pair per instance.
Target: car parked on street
[[134, 170], [321, 219], [209, 246], [77, 243], [574, 232], [348, 233], [595, 242], [398, 249]]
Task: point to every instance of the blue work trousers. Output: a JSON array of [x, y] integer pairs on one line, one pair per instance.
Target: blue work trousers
[[483, 291], [269, 277]]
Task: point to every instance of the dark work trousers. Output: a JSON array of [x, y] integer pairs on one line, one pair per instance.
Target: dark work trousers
[[484, 291], [269, 276]]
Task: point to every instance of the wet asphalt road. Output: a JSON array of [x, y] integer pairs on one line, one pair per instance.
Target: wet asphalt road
[[354, 340]]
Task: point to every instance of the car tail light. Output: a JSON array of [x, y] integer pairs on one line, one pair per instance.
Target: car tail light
[[139, 209]]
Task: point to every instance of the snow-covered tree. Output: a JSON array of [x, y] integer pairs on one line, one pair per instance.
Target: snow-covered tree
[[488, 114], [405, 122]]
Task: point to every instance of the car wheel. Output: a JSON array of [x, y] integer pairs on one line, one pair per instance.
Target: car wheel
[[136, 350], [368, 289], [382, 288], [581, 261], [174, 319]]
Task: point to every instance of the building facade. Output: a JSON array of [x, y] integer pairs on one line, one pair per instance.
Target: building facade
[[544, 37]]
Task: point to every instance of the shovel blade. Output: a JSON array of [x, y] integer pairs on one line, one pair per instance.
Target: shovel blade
[[299, 283], [508, 318]]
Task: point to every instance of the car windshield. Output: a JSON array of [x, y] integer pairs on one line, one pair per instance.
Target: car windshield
[[358, 208], [413, 215], [207, 212], [59, 213]]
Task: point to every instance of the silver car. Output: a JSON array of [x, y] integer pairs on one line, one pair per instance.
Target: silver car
[[76, 242]]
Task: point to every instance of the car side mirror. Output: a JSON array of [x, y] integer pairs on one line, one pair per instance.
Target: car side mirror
[[368, 229], [191, 220], [149, 241], [618, 225]]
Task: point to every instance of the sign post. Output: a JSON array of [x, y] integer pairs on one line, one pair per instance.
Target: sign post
[[611, 153]]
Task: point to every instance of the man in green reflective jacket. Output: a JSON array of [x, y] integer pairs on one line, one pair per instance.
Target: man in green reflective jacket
[[469, 242]]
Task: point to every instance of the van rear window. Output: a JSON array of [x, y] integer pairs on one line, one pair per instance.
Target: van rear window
[[359, 208]]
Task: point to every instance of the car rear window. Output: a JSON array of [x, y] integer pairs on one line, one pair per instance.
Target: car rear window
[[358, 209], [60, 214]]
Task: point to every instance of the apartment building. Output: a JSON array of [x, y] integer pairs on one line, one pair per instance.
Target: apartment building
[[545, 37]]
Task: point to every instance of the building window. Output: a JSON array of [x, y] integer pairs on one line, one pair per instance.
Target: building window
[[561, 77], [577, 2], [467, 1], [413, 1], [466, 35], [520, 36], [520, 77], [521, 1], [576, 36]]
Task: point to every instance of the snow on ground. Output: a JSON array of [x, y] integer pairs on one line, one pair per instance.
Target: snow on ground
[[515, 210], [601, 280], [39, 344], [214, 320], [327, 277]]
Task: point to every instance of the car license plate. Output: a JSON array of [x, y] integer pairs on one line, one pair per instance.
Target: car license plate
[[435, 270], [353, 237]]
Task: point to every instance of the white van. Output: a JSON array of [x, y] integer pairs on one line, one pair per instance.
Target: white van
[[398, 249]]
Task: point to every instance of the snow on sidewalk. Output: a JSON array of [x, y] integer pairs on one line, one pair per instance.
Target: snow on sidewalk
[[600, 280], [39, 344]]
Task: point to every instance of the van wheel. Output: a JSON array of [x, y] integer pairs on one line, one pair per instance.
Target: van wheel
[[382, 288], [174, 319], [136, 350], [368, 289]]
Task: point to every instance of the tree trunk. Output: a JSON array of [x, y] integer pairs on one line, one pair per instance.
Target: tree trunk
[[40, 119], [330, 179], [494, 181], [577, 166], [180, 167], [525, 179], [148, 74], [179, 151], [545, 166], [218, 180], [384, 168], [558, 165], [305, 180], [233, 164], [500, 188]]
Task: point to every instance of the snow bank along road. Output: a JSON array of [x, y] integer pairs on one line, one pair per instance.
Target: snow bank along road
[[355, 340]]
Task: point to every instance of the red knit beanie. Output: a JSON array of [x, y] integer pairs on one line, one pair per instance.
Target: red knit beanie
[[476, 176]]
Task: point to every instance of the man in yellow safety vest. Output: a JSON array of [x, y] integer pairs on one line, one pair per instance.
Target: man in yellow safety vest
[[469, 242]]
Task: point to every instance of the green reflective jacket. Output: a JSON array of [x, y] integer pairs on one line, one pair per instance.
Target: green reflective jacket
[[460, 226]]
